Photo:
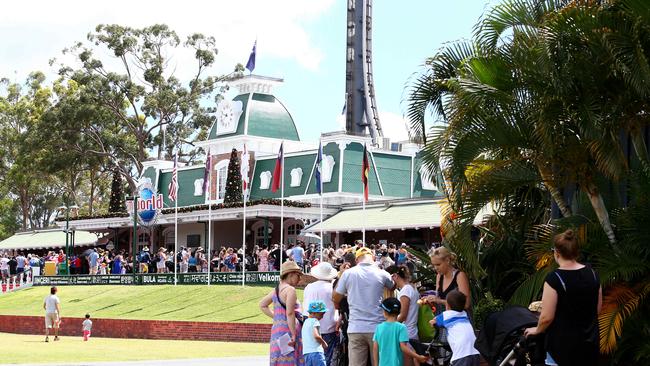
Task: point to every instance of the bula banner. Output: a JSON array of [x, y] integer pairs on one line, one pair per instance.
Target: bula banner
[[230, 278]]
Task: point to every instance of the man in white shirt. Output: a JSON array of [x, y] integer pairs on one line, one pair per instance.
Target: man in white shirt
[[52, 306], [4, 267], [364, 286], [321, 290]]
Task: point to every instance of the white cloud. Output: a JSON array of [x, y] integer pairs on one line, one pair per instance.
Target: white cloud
[[35, 31]]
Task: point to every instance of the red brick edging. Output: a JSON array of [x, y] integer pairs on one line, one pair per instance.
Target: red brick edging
[[146, 329]]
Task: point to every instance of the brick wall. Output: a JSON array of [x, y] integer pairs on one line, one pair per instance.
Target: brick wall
[[147, 329]]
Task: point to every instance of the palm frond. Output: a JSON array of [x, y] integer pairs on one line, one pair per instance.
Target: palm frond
[[618, 304]]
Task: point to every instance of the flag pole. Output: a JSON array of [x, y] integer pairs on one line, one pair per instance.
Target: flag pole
[[363, 222], [282, 205], [209, 191], [320, 183], [243, 237], [176, 238]]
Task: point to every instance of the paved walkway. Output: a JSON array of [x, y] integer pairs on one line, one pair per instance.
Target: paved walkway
[[229, 361]]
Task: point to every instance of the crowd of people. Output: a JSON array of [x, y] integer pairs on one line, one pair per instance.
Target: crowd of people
[[361, 312], [17, 267], [365, 309]]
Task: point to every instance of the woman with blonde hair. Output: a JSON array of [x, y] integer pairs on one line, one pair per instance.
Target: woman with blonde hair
[[448, 277]]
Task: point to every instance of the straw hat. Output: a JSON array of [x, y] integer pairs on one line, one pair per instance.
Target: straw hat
[[146, 249], [162, 250], [324, 271], [288, 267]]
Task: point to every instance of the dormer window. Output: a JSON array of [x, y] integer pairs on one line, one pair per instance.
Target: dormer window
[[296, 177], [265, 179]]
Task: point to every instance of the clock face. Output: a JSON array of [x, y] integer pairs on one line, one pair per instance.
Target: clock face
[[228, 113]]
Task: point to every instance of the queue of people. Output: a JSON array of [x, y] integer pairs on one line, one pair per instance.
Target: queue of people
[[352, 315], [365, 322]]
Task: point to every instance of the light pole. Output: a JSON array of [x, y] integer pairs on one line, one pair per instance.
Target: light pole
[[134, 198], [67, 209]]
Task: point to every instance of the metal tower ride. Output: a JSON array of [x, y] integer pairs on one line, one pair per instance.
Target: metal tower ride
[[361, 115]]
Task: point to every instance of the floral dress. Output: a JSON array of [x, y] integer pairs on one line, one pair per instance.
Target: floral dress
[[263, 265], [281, 327]]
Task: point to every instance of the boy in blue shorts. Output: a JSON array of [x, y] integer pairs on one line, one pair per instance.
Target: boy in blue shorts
[[391, 339], [313, 345]]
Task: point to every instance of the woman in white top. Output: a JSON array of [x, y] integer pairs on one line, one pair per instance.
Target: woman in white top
[[408, 298], [161, 265]]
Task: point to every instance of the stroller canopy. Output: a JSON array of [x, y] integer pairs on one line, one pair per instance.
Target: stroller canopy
[[500, 328]]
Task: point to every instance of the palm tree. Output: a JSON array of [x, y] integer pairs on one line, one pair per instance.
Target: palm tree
[[545, 96], [528, 91]]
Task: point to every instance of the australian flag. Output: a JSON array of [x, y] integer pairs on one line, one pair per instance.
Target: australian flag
[[319, 169], [250, 65]]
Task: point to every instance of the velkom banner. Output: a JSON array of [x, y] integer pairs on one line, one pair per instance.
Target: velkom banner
[[228, 278]]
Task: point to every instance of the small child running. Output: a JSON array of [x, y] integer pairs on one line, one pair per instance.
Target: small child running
[[460, 333], [87, 325], [391, 339], [313, 345]]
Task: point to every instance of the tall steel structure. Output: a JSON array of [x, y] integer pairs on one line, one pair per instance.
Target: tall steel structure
[[361, 108]]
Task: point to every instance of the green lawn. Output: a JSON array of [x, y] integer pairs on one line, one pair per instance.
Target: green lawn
[[221, 303], [18, 349]]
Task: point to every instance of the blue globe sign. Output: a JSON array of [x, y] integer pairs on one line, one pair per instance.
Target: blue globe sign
[[149, 205]]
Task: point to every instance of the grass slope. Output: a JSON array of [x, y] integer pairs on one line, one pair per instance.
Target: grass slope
[[192, 303], [19, 349]]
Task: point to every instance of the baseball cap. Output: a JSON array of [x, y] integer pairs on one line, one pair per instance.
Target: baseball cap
[[317, 307], [391, 305], [362, 251]]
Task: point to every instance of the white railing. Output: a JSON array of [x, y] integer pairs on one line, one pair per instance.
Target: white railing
[[17, 282]]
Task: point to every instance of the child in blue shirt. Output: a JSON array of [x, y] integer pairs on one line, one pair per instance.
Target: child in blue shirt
[[313, 345], [391, 339]]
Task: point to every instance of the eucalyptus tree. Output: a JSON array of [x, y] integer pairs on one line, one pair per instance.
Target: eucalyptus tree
[[128, 76], [21, 109]]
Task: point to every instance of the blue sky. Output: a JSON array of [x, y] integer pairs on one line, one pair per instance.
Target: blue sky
[[302, 41]]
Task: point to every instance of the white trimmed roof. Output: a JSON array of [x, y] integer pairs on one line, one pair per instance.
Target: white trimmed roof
[[46, 240]]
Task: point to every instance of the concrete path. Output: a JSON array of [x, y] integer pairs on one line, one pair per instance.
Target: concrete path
[[229, 361]]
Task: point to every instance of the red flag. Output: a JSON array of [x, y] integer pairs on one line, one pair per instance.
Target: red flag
[[277, 172], [365, 169], [173, 185]]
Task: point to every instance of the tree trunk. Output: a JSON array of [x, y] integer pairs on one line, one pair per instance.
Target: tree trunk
[[641, 149], [24, 208], [91, 199], [598, 205], [555, 193]]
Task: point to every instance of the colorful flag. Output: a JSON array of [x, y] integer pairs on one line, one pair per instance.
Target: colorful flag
[[319, 168], [277, 172], [173, 185], [365, 171], [244, 167], [206, 174], [250, 65]]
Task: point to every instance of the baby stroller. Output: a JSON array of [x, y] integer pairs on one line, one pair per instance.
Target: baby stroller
[[501, 341], [439, 353]]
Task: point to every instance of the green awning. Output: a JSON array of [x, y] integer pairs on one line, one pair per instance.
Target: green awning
[[48, 239], [389, 216]]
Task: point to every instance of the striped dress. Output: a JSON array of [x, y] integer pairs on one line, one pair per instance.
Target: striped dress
[[279, 328]]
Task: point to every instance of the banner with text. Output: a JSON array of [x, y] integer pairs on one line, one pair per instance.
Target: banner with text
[[226, 278]]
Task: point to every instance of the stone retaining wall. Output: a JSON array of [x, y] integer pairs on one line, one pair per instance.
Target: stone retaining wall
[[146, 329]]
